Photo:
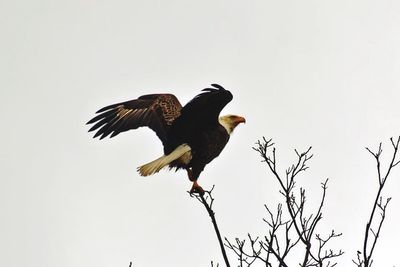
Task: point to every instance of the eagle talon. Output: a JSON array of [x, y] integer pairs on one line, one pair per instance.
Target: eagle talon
[[196, 188]]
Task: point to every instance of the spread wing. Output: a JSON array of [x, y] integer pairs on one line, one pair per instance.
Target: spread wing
[[199, 115], [156, 111], [204, 109]]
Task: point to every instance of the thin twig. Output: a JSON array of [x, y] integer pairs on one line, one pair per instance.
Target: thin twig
[[211, 213], [364, 258]]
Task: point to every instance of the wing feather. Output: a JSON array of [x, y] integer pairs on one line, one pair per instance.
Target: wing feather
[[206, 106], [101, 116], [198, 116], [156, 111]]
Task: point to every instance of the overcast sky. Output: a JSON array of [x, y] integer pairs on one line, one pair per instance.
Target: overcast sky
[[305, 73]]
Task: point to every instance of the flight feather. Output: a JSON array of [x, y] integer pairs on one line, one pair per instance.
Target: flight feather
[[156, 111]]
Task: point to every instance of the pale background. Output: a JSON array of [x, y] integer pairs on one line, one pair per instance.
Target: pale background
[[320, 73]]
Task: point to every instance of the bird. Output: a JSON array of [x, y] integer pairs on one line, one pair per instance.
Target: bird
[[192, 135]]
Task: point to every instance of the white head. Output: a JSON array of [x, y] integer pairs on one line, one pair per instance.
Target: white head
[[230, 122]]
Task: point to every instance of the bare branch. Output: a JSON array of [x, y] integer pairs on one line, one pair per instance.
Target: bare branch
[[207, 200], [364, 258], [299, 228]]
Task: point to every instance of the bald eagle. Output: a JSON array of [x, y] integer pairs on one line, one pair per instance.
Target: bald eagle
[[192, 135]]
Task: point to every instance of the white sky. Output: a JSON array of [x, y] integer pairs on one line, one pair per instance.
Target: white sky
[[320, 73]]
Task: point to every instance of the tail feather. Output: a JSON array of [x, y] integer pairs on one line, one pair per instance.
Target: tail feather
[[156, 165]]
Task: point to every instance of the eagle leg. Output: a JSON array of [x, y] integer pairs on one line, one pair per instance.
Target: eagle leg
[[196, 188], [190, 174]]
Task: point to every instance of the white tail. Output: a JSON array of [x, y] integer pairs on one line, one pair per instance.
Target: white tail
[[156, 165]]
